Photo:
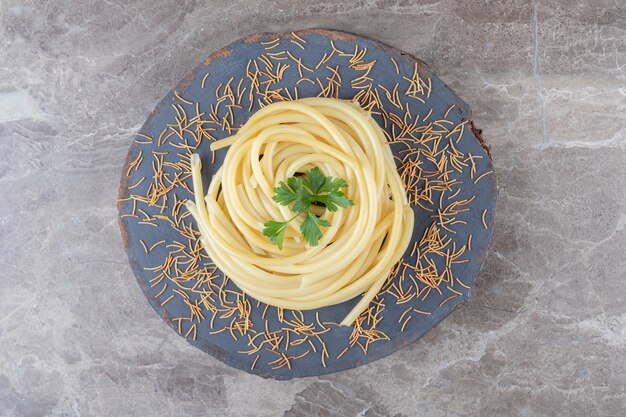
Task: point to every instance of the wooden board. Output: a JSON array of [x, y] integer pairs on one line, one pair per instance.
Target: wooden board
[[429, 127]]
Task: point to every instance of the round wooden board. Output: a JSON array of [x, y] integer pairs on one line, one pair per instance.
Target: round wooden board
[[440, 139]]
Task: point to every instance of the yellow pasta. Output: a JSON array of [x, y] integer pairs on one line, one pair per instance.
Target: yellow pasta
[[358, 250]]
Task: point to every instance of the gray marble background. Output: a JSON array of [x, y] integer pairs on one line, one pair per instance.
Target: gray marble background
[[545, 333]]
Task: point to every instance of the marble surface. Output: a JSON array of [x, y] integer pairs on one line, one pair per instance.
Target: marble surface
[[544, 334]]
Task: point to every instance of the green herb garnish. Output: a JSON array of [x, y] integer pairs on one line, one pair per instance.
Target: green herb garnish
[[303, 191]]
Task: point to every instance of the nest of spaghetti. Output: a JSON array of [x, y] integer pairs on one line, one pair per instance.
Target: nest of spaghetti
[[362, 243]]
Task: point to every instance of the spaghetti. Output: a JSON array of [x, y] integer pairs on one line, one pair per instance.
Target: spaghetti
[[355, 254]]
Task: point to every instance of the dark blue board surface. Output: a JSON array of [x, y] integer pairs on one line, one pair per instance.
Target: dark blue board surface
[[233, 61]]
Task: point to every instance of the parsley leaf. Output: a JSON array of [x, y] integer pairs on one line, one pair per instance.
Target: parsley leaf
[[286, 194], [303, 202], [310, 230], [313, 187], [275, 231], [333, 184], [293, 192], [315, 180], [332, 200]]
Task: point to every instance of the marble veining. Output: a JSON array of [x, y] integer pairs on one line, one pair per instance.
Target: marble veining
[[544, 332]]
